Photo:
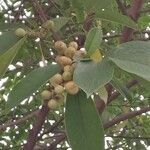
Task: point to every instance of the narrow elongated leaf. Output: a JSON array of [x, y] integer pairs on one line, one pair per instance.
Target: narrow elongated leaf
[[83, 124], [121, 88], [7, 40], [93, 40], [90, 76], [115, 16], [30, 84], [133, 57], [7, 57]]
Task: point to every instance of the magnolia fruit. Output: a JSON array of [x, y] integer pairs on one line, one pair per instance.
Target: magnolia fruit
[[20, 32], [59, 89], [73, 44], [53, 104], [56, 79], [63, 60], [46, 94], [67, 76], [71, 88], [68, 69], [60, 45], [70, 51]]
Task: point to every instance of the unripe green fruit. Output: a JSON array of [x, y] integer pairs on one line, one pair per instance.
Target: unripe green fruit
[[56, 79], [49, 24], [70, 51], [67, 76], [53, 104], [20, 32], [68, 69], [63, 60], [46, 94], [79, 54], [71, 88], [59, 89], [73, 44], [60, 47]]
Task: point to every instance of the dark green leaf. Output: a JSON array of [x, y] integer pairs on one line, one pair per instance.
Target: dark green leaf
[[117, 17], [133, 57], [7, 57], [93, 40], [30, 84], [83, 124], [121, 88], [7, 40], [90, 76]]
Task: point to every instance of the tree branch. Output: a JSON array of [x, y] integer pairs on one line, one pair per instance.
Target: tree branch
[[19, 121], [123, 117], [134, 13], [32, 138]]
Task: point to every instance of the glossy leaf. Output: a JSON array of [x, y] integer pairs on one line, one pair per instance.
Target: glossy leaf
[[90, 76], [93, 40], [83, 124], [133, 57], [7, 57], [102, 92], [96, 56], [30, 84]]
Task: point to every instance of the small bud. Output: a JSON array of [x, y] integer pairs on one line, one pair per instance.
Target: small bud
[[59, 89], [67, 76], [56, 79], [63, 60], [53, 104], [20, 32], [49, 24], [70, 51], [73, 44], [46, 94], [71, 88]]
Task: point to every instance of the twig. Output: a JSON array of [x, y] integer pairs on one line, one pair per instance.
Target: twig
[[123, 117], [134, 13], [32, 137], [19, 121]]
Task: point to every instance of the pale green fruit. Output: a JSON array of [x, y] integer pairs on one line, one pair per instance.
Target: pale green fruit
[[46, 94], [20, 32]]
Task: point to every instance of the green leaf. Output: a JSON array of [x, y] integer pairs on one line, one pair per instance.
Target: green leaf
[[90, 76], [93, 40], [7, 57], [30, 84], [102, 92], [133, 57], [7, 40], [79, 9], [83, 124], [60, 22], [121, 89], [115, 16]]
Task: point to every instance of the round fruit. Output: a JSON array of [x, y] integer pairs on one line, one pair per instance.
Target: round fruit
[[46, 94], [59, 89], [53, 104], [56, 79], [60, 46], [70, 51], [68, 69], [63, 60], [67, 76], [49, 24], [74, 44], [71, 88], [20, 32]]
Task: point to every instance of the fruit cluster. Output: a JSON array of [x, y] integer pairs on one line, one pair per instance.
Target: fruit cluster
[[63, 82]]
